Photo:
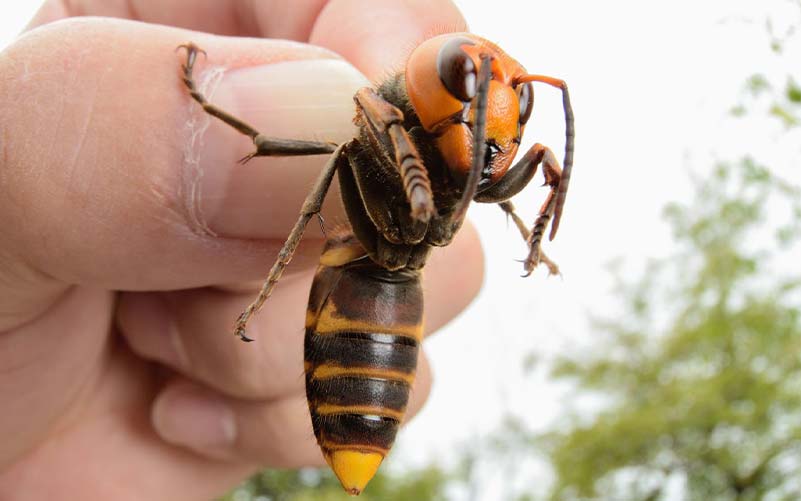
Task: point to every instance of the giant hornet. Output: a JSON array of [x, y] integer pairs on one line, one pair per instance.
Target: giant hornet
[[431, 139]]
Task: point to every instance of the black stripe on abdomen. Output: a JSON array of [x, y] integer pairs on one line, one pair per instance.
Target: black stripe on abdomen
[[364, 350], [354, 391], [349, 430]]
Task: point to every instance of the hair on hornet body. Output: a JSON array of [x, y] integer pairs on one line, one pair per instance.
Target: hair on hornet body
[[432, 139]]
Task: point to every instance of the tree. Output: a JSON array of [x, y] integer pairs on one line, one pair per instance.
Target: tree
[[698, 388], [709, 404]]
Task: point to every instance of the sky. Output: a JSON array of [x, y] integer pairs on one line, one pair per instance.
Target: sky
[[651, 86]]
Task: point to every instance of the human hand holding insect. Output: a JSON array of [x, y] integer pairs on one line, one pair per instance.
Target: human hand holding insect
[[96, 198]]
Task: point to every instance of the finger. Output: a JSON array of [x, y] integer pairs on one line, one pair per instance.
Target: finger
[[191, 331], [114, 178], [375, 39], [378, 40], [452, 278], [266, 18], [101, 445], [275, 433], [43, 376]]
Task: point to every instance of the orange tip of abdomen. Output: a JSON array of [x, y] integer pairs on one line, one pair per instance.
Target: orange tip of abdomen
[[354, 468]]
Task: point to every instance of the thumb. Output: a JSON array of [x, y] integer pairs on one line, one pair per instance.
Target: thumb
[[112, 177]]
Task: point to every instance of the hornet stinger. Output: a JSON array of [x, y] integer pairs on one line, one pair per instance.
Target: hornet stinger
[[433, 138]]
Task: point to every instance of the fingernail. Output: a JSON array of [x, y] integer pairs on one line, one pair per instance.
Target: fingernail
[[148, 323], [194, 417], [307, 99]]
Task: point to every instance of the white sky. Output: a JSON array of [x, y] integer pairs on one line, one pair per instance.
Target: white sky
[[651, 84]]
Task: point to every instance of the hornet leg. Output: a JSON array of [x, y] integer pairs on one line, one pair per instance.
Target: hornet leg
[[311, 206], [265, 146], [509, 209], [385, 126], [513, 182]]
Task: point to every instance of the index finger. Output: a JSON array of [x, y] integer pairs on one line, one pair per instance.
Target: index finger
[[378, 39], [289, 20], [375, 37]]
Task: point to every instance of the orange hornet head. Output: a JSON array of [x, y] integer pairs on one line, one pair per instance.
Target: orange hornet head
[[442, 82]]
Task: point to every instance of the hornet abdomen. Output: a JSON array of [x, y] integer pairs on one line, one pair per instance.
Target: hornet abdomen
[[363, 331]]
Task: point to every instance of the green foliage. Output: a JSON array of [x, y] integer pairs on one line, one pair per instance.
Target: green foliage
[[782, 104], [786, 108], [793, 92], [757, 84], [321, 485], [700, 381], [762, 92]]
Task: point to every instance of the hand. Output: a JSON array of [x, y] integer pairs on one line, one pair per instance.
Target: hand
[[112, 179]]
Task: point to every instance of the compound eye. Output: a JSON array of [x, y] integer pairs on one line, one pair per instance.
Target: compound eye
[[526, 98], [456, 69]]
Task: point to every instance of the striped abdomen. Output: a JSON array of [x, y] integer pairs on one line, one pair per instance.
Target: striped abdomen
[[363, 330]]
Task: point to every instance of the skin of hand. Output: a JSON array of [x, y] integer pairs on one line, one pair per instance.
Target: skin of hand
[[112, 179]]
